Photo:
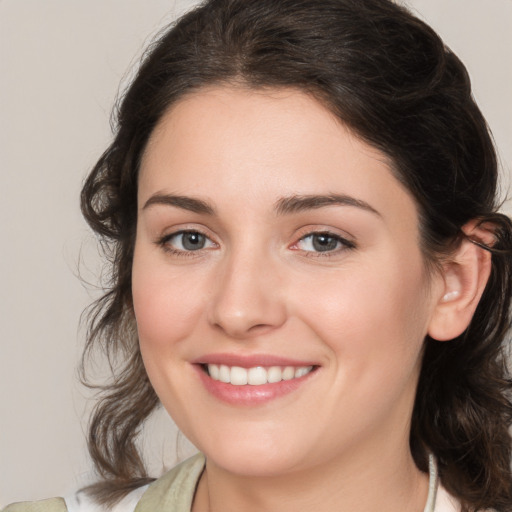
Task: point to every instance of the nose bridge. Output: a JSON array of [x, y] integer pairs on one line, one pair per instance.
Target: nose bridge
[[247, 297]]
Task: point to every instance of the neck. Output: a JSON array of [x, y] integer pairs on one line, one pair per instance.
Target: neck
[[382, 481]]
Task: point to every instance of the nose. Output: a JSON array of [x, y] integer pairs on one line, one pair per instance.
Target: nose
[[248, 297]]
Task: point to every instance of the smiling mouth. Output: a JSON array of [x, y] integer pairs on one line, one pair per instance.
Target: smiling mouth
[[257, 375]]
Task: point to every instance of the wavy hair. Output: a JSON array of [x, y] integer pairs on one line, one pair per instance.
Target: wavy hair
[[389, 77]]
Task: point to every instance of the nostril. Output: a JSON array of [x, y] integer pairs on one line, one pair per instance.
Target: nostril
[[260, 327]]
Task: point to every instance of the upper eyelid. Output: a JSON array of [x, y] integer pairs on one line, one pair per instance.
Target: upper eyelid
[[327, 230], [164, 243], [301, 234], [172, 234], [348, 243], [184, 228]]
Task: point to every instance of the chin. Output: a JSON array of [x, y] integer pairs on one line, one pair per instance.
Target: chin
[[255, 456], [253, 463]]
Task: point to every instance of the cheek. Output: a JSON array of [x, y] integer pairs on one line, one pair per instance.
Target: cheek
[[373, 315], [167, 305]]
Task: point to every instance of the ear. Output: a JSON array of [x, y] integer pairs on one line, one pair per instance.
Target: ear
[[463, 281]]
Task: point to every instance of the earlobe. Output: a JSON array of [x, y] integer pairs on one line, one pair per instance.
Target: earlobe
[[464, 278]]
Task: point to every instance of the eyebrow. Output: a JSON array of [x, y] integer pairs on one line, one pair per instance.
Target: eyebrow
[[184, 202], [283, 206], [300, 203]]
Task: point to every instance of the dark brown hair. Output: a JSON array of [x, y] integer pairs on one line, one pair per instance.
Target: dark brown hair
[[387, 76]]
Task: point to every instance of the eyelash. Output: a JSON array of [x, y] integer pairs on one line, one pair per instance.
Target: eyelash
[[164, 242], [345, 244]]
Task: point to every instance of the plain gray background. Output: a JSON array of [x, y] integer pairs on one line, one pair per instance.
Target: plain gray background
[[61, 63]]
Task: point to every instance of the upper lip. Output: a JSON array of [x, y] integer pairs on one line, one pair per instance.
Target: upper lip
[[251, 361]]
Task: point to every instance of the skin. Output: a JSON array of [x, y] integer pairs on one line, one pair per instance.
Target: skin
[[360, 312]]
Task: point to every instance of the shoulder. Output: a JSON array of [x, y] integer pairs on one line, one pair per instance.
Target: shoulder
[[174, 490], [445, 502], [81, 502], [51, 505]]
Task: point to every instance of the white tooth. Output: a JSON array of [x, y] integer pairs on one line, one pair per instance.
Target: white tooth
[[303, 370], [238, 376], [274, 374], [213, 371], [257, 376], [288, 373], [224, 373]]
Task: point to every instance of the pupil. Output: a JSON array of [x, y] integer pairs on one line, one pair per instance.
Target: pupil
[[193, 241], [324, 243]]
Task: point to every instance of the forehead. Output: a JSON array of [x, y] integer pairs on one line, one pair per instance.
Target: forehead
[[217, 118], [232, 142]]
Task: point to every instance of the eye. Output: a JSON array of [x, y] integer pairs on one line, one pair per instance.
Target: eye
[[323, 242], [186, 241]]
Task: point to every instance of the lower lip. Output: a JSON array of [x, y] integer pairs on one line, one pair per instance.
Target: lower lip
[[250, 395]]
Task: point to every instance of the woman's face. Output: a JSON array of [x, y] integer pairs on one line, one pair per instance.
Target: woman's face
[[276, 247]]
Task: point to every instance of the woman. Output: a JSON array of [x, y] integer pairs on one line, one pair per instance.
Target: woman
[[309, 272]]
